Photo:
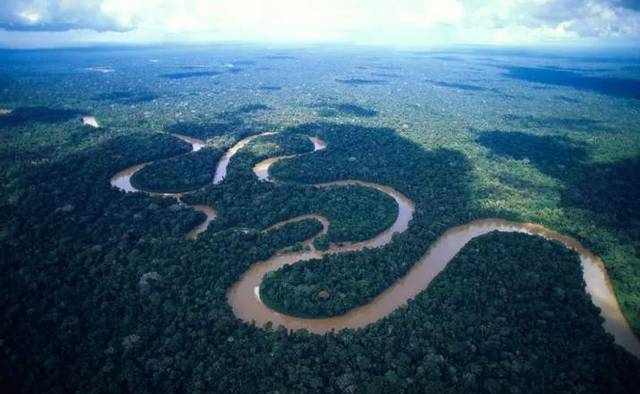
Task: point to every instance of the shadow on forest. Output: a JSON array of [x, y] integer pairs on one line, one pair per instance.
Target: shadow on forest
[[438, 181], [610, 190], [280, 57], [611, 86], [122, 97], [24, 115], [327, 110], [193, 67], [269, 88], [245, 62], [234, 70], [460, 86], [467, 87], [203, 130], [575, 69], [224, 123], [193, 74], [449, 58], [444, 56], [385, 75], [353, 152], [362, 81], [488, 54], [382, 155], [245, 110], [550, 122]]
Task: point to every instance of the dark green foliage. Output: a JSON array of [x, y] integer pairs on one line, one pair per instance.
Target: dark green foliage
[[467, 87], [280, 57], [22, 115], [244, 110], [179, 174], [126, 97], [502, 317], [356, 213], [192, 74], [297, 231], [228, 124], [361, 81], [518, 303], [331, 110], [376, 155], [522, 335], [321, 243], [244, 62], [263, 147], [269, 88], [612, 86], [204, 131], [460, 86], [327, 112], [356, 110], [386, 75], [610, 192], [616, 201], [554, 123], [100, 293]]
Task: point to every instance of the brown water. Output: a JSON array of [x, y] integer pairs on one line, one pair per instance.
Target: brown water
[[202, 227], [262, 168], [195, 143], [221, 169], [244, 295], [122, 181]]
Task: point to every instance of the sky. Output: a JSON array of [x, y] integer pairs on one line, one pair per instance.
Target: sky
[[414, 23]]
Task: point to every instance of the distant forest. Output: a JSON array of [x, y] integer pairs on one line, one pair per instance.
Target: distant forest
[[101, 293]]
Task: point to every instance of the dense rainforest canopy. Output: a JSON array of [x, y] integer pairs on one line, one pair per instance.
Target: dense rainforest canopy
[[101, 292]]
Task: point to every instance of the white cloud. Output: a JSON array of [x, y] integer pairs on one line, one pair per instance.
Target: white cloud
[[61, 15], [377, 21]]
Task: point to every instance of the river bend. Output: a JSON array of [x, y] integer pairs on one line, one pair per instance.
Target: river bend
[[244, 295]]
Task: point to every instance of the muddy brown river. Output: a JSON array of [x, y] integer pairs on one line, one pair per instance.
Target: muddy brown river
[[244, 295], [221, 169], [122, 181]]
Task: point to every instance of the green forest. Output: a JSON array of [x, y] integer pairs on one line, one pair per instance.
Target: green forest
[[100, 292], [142, 294]]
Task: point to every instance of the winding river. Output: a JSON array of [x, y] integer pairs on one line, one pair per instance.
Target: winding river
[[122, 181], [244, 295]]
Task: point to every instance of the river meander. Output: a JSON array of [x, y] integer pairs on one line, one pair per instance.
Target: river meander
[[244, 295]]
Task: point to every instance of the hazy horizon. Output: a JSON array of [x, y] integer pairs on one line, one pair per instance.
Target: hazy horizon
[[340, 196], [405, 24]]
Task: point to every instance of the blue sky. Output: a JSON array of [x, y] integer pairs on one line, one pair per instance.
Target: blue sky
[[49, 23]]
